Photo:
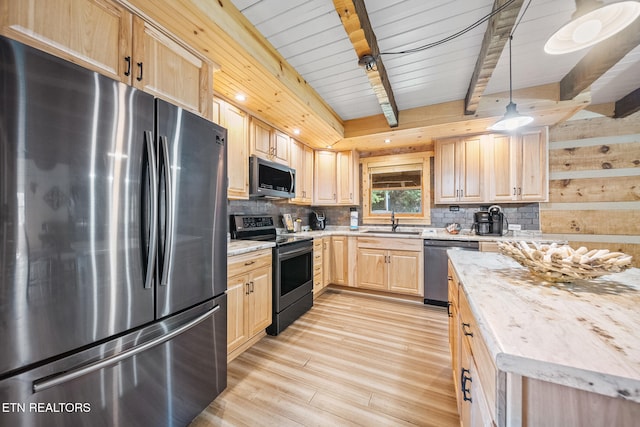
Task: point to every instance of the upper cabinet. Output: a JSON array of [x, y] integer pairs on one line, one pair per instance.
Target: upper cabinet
[[492, 168], [105, 37], [236, 122], [302, 162], [459, 170], [335, 178], [269, 143], [518, 167]]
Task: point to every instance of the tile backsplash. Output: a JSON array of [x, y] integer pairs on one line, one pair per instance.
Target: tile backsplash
[[525, 214]]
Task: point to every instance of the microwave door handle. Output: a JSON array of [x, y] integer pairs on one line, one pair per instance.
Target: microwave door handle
[[293, 182]]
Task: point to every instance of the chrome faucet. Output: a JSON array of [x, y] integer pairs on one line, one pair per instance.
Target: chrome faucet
[[394, 221]]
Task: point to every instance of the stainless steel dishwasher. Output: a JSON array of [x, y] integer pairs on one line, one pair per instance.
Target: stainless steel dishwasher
[[435, 267]]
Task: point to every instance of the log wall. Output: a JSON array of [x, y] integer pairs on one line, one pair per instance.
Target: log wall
[[594, 184]]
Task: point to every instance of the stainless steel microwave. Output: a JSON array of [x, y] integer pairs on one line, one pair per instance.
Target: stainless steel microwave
[[270, 179]]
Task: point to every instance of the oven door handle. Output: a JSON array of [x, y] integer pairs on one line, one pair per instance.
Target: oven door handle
[[294, 253]]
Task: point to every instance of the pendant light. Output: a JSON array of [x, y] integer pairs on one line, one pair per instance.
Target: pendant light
[[512, 119], [591, 23]]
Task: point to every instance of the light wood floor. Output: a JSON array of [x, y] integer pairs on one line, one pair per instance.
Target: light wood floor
[[351, 360]]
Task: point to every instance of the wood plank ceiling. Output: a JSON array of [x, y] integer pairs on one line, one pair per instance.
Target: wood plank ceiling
[[430, 86]]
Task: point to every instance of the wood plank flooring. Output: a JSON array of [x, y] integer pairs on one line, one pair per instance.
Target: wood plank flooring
[[352, 360]]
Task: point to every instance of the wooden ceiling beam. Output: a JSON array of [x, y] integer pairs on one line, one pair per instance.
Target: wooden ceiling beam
[[355, 20], [627, 105], [495, 37], [599, 60]]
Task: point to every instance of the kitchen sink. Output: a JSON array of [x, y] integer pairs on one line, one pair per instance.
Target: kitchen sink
[[406, 233]]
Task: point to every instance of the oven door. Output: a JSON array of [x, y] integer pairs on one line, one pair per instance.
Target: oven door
[[293, 274]]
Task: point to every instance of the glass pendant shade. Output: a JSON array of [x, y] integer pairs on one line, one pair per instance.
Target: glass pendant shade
[[512, 120], [591, 24]]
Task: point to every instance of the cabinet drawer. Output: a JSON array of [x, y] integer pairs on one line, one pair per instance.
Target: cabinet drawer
[[242, 263], [390, 243], [486, 369]]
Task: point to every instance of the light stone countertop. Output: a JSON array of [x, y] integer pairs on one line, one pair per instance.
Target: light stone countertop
[[584, 335], [238, 247]]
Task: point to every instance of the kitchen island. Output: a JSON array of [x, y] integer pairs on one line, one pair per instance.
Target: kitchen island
[[562, 354]]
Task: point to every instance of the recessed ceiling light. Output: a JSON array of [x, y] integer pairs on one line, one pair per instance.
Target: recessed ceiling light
[[240, 97], [296, 131], [387, 141]]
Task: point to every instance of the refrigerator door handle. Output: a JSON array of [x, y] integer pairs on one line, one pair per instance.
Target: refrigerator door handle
[[168, 238], [56, 380], [153, 227]]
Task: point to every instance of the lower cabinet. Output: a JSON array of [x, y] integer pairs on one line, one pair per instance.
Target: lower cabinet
[[249, 300], [318, 266], [390, 265], [340, 253], [474, 373]]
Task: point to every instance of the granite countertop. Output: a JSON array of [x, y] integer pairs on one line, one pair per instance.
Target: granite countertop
[[583, 335], [423, 233], [238, 247]]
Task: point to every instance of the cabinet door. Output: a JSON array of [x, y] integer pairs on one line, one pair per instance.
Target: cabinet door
[[260, 303], [324, 178], [299, 163], [93, 33], [405, 272], [237, 124], [502, 157], [281, 146], [237, 289], [307, 190], [167, 70], [372, 268], [340, 261], [470, 180], [345, 178], [445, 172], [260, 139], [533, 180], [327, 274]]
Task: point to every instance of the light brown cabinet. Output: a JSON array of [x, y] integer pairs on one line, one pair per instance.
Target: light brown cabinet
[[236, 122], [518, 166], [302, 162], [103, 36], [458, 168], [269, 143], [340, 258], [318, 265], [391, 265], [249, 301], [335, 178], [327, 274]]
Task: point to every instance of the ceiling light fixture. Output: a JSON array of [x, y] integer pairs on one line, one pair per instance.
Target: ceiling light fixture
[[591, 23], [512, 119], [240, 97], [387, 141], [368, 62], [296, 131]]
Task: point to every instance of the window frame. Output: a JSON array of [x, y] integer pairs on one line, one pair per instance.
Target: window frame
[[398, 161]]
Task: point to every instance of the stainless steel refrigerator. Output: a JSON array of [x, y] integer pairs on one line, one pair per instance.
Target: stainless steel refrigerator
[[112, 250]]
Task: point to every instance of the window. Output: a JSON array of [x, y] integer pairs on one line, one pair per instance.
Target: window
[[398, 184]]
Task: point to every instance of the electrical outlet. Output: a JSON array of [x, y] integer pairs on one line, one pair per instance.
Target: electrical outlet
[[515, 227]]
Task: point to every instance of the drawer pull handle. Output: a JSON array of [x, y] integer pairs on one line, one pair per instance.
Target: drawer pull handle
[[247, 292], [464, 377], [249, 262], [449, 309], [127, 59], [465, 331]]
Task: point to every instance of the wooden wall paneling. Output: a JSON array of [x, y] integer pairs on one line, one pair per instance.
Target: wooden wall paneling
[[623, 222], [621, 189], [604, 156]]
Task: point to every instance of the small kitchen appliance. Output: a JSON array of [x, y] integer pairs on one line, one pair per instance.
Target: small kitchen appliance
[[489, 222], [317, 220]]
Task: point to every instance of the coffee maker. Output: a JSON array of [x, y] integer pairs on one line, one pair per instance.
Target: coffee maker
[[317, 220], [490, 222]]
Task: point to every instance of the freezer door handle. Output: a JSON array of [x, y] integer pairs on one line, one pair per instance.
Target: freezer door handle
[[56, 380], [153, 226], [169, 209]]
